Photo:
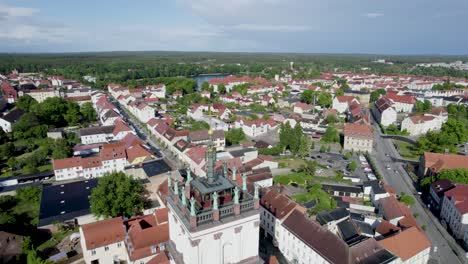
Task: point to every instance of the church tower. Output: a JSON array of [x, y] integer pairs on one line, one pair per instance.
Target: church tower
[[212, 219]]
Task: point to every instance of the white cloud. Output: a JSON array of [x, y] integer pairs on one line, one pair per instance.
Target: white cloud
[[373, 15], [12, 11], [273, 28]]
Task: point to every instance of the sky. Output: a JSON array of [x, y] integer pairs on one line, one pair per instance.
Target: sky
[[303, 26]]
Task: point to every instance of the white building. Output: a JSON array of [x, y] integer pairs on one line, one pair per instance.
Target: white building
[[401, 103], [257, 127], [384, 112], [342, 103], [454, 210], [40, 95], [9, 119], [302, 240], [358, 137], [418, 125]]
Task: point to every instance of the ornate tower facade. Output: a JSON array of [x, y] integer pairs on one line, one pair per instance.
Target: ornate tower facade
[[212, 219]]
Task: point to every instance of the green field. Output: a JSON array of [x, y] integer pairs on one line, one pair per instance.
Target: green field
[[406, 150]]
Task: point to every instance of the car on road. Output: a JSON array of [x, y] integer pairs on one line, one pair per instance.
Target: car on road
[[367, 169], [387, 167]]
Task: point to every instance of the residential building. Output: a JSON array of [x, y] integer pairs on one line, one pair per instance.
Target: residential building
[[203, 137], [341, 103], [257, 127], [411, 245], [301, 108], [437, 191], [358, 137], [303, 240], [384, 113], [401, 103], [421, 124], [40, 95], [10, 95], [393, 210], [432, 163], [454, 210], [7, 121], [275, 208], [142, 239]]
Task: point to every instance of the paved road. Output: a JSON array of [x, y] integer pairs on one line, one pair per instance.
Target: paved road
[[148, 138], [444, 248]]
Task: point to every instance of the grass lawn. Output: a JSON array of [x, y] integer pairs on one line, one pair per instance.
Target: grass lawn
[[8, 173], [406, 150], [323, 200], [56, 238], [298, 178], [290, 162]]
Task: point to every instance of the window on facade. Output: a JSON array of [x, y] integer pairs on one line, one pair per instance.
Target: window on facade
[[106, 248], [119, 244], [93, 252]]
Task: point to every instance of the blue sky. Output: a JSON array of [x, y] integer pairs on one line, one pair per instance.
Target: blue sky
[[312, 26]]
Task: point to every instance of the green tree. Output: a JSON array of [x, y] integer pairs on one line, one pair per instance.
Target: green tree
[[304, 146], [235, 136], [352, 166], [61, 149], [221, 88], [374, 96], [307, 96], [266, 117], [408, 200], [423, 107], [309, 167], [3, 136], [325, 99], [330, 135], [117, 195], [26, 102], [331, 119], [88, 112], [205, 86], [73, 115]]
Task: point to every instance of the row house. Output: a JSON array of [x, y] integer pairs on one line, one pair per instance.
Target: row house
[[116, 90], [422, 85], [199, 111], [56, 80], [262, 88], [275, 208], [112, 157], [358, 137], [257, 127], [106, 111], [401, 103], [158, 90], [384, 112], [444, 93], [138, 240], [78, 92], [203, 137], [40, 95], [418, 125], [141, 110], [230, 81]]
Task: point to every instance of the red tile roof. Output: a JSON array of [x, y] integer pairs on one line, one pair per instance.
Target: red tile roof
[[460, 195], [392, 208], [358, 131], [437, 161], [137, 151], [407, 243], [60, 164], [102, 233], [405, 99], [345, 99]]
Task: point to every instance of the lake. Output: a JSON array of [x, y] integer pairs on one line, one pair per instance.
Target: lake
[[207, 77]]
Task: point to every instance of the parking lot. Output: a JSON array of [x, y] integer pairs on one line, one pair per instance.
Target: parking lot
[[333, 162]]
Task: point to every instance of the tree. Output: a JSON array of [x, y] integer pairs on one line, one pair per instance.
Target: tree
[[88, 112], [26, 102], [304, 146], [407, 199], [221, 88], [7, 150], [235, 136], [459, 175], [330, 135], [309, 167], [266, 116], [325, 99], [61, 149], [352, 166], [374, 96], [331, 119], [307, 96], [423, 107], [3, 136], [73, 115], [117, 194], [205, 86]]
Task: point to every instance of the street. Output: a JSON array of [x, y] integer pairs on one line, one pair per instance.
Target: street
[[444, 247]]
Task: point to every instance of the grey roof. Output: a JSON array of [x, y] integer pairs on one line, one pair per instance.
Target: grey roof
[[364, 228], [348, 231], [375, 185], [204, 186], [14, 115], [241, 152], [325, 217], [202, 135], [96, 130], [155, 167], [109, 114], [370, 252], [322, 241], [75, 201]]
